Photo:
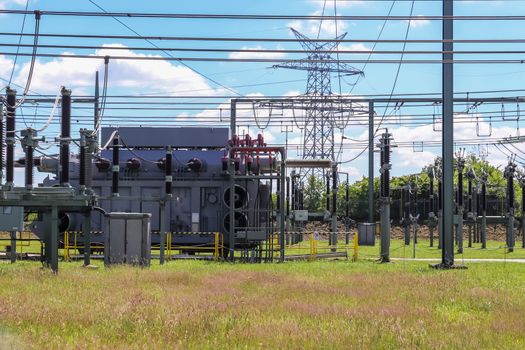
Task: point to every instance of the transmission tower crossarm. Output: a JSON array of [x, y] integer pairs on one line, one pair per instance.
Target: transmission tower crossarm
[[310, 45], [307, 65]]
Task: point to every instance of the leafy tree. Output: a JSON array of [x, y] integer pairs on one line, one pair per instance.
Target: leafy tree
[[314, 194]]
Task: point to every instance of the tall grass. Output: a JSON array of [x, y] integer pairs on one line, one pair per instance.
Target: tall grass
[[327, 305]]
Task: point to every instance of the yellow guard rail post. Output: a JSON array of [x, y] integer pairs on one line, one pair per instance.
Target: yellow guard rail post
[[356, 246], [67, 257], [216, 247]]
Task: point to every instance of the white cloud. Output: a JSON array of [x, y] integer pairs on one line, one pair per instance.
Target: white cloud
[[421, 21], [340, 4], [310, 28], [248, 55], [153, 76], [5, 3], [406, 157], [6, 65]]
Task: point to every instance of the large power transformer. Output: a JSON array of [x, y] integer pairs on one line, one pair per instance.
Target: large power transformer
[[200, 198]]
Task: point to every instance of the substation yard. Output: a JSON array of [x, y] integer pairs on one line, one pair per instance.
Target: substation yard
[[310, 305]]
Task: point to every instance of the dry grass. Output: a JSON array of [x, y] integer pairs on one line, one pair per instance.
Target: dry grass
[[197, 305]]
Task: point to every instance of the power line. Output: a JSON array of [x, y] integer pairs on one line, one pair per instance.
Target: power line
[[270, 60], [255, 50], [167, 53], [262, 16], [276, 40], [18, 47]]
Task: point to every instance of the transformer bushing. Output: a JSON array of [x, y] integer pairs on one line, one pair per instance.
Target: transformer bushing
[[29, 143], [385, 166], [509, 173]]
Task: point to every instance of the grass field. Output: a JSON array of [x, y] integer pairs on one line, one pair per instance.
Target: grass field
[[299, 305]]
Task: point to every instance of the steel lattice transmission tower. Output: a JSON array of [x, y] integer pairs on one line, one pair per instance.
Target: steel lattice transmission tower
[[318, 140]]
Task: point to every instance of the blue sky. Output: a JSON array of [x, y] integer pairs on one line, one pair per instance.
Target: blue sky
[[258, 79]]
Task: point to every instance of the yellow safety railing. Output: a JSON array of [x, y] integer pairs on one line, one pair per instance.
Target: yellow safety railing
[[218, 244]]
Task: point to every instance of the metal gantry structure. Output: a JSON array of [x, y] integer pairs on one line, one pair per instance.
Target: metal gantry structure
[[322, 110]]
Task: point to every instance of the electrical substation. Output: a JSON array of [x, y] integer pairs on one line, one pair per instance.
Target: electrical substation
[[128, 191]]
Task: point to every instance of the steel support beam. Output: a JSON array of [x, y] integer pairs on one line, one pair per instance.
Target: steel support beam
[[162, 232], [447, 256], [96, 110], [53, 241], [13, 246], [371, 161], [87, 238]]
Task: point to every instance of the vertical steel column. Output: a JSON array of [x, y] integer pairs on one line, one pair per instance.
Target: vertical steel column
[[96, 112], [82, 156], [347, 197], [287, 210], [87, 238], [115, 169], [334, 208], [282, 213], [385, 197], [1, 150], [447, 257], [459, 230], [371, 161], [231, 237], [484, 213], [431, 214], [52, 259], [328, 191], [523, 211], [163, 203], [440, 212], [406, 212], [231, 171], [162, 233], [29, 152], [65, 137], [10, 137], [509, 174], [294, 192], [233, 117], [13, 247]]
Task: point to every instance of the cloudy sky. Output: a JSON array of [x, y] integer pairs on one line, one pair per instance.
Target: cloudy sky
[[129, 77]]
